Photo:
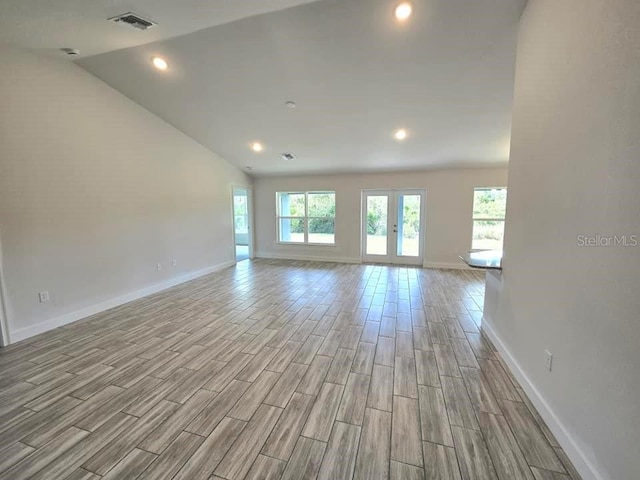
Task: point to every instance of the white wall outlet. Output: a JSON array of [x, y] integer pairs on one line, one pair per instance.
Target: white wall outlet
[[548, 359], [43, 296], [159, 266], [174, 262]]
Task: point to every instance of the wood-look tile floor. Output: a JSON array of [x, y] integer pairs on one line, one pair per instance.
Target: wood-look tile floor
[[276, 369]]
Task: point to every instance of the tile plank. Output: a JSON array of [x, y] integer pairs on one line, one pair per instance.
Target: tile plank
[[434, 417], [282, 439], [406, 444], [381, 388], [237, 462], [207, 457], [375, 444], [507, 458], [473, 456], [306, 459], [440, 462], [458, 404], [534, 445], [340, 456], [354, 399], [323, 413]]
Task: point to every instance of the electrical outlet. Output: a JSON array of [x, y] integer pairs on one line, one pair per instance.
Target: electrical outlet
[[159, 266], [548, 359], [43, 296], [174, 262]]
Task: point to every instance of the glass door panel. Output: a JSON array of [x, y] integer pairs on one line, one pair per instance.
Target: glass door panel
[[409, 216], [377, 217], [392, 229]]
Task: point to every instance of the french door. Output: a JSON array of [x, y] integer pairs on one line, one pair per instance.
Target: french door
[[393, 226]]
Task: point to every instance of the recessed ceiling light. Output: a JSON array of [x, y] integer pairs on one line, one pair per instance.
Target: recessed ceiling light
[[403, 11], [400, 134], [291, 104], [160, 63], [257, 147]]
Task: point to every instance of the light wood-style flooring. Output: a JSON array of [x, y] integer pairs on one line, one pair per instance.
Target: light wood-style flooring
[[276, 370]]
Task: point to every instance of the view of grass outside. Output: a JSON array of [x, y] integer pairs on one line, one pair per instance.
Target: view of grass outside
[[313, 211], [408, 225], [377, 214], [489, 210]]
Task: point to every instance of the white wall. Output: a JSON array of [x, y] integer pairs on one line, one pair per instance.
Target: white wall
[[449, 210], [574, 170], [94, 192]]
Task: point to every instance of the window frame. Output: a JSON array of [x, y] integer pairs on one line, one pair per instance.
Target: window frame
[[306, 218], [486, 219]]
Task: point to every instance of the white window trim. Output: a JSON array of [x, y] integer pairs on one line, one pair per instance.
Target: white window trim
[[306, 219], [474, 219]]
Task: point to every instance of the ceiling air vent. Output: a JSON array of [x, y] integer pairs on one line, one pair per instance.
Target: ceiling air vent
[[133, 20], [287, 156]]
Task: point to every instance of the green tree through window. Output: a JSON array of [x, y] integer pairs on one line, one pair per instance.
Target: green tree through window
[[489, 211], [306, 217]]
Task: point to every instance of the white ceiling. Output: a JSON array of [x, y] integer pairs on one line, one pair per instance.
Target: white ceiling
[[53, 24], [355, 74]]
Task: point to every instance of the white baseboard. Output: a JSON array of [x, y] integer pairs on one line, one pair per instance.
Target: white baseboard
[[575, 454], [308, 258], [27, 332], [316, 258], [447, 266]]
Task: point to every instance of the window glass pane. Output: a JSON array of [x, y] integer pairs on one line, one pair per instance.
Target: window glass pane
[[487, 235], [377, 224], [292, 230], [241, 224], [240, 204], [489, 203], [408, 225], [322, 204], [291, 204], [322, 230]]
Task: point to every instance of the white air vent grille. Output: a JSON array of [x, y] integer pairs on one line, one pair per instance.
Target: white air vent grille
[[133, 20]]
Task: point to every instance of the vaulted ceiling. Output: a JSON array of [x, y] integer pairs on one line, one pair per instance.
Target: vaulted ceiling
[[48, 25], [356, 75]]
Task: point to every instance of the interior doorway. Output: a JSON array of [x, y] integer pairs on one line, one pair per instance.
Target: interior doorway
[[393, 226], [242, 223]]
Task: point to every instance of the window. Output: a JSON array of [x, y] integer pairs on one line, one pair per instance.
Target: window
[[307, 217], [489, 208]]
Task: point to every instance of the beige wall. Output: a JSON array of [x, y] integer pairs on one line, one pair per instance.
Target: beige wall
[[95, 191], [574, 170], [448, 211]]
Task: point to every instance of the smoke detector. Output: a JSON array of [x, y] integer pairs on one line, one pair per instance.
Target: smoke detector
[[287, 156], [133, 20]]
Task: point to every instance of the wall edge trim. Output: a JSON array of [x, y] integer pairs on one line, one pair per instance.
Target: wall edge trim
[[565, 439], [67, 318]]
